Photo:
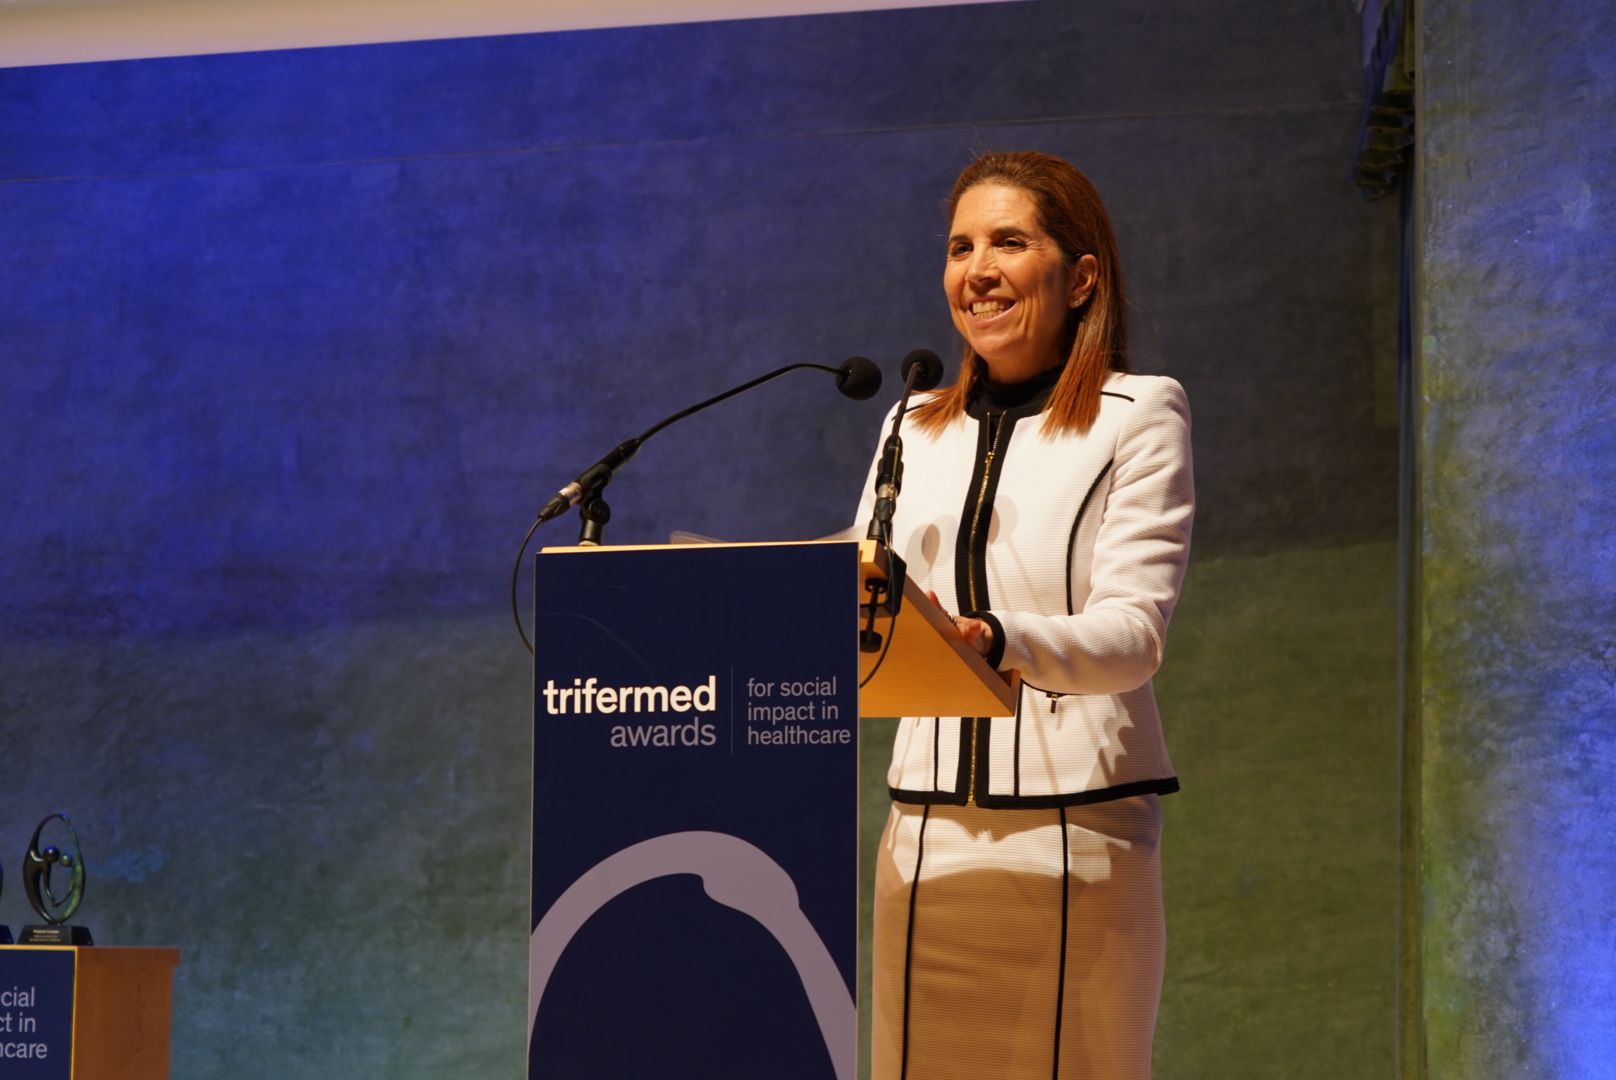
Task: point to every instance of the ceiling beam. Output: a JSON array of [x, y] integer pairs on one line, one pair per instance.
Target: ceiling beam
[[35, 32]]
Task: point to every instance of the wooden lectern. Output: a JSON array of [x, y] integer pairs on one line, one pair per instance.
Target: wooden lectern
[[97, 1012], [929, 670]]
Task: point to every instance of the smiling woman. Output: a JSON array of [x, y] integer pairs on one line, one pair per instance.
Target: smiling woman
[[1018, 914], [1029, 231], [1009, 284]]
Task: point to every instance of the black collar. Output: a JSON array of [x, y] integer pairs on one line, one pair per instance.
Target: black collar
[[1023, 398]]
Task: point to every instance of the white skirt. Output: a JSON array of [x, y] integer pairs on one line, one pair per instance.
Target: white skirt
[[1031, 948]]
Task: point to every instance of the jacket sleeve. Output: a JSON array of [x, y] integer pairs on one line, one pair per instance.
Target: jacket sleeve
[[1115, 643]]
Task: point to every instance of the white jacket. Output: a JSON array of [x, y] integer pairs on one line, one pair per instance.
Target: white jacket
[[1081, 546]]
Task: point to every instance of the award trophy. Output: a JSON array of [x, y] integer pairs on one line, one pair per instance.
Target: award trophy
[[37, 868]]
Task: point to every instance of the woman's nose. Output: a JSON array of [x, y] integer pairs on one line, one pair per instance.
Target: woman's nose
[[982, 266]]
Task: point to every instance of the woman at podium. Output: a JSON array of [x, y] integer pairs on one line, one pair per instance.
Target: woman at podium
[[1047, 499]]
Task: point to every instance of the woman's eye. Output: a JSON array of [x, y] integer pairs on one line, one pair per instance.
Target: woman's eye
[[955, 250], [1013, 243]]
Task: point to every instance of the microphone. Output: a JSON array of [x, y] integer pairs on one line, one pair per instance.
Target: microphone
[[856, 378], [591, 479], [929, 375], [859, 379], [922, 370]]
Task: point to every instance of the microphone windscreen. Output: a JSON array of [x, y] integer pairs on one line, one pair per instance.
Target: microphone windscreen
[[931, 369], [858, 378]]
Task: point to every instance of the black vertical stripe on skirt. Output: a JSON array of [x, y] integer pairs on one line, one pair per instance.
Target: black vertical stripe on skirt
[[909, 939], [1060, 976]]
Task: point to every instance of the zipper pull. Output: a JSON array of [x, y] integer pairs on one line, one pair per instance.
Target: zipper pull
[[1053, 697]]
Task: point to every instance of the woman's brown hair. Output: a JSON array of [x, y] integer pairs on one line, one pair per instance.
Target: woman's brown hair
[[1096, 334]]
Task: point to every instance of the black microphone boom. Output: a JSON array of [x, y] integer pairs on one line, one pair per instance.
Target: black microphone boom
[[856, 378], [922, 370]]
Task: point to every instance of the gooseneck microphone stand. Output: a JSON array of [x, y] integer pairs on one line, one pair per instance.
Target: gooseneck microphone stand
[[856, 378], [922, 370]]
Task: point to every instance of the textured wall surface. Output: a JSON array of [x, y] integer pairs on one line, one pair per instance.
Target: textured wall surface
[[294, 344], [1281, 856], [1518, 600]]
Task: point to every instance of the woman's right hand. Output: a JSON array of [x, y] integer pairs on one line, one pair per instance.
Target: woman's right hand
[[977, 634]]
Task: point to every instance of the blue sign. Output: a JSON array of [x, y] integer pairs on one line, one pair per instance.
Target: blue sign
[[695, 845], [36, 1013]]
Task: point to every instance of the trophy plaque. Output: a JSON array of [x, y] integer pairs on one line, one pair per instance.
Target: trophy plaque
[[38, 868]]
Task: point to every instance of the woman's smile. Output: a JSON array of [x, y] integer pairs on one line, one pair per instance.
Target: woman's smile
[[985, 311]]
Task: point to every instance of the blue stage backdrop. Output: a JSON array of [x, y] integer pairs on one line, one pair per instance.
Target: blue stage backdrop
[[292, 346]]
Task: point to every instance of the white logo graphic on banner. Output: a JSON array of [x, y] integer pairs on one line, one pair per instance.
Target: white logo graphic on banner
[[735, 874]]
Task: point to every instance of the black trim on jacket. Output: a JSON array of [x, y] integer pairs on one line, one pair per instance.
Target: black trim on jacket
[[1167, 785], [995, 653], [962, 776], [1077, 523]]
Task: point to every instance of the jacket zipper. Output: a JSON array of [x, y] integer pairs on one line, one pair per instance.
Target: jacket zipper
[[995, 429]]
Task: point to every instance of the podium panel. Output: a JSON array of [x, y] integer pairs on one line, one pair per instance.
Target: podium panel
[[695, 840], [92, 1013]]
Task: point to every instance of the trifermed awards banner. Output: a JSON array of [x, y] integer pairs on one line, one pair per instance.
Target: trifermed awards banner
[[695, 843], [36, 1013]]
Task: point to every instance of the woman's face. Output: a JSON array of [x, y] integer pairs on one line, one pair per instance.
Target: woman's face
[[1009, 286]]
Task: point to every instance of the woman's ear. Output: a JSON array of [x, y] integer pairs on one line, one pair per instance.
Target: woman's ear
[[1085, 272]]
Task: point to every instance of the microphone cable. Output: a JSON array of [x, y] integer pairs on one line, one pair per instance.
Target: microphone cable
[[892, 632]]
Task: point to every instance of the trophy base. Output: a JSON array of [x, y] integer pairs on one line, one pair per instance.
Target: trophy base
[[55, 934], [5, 934]]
